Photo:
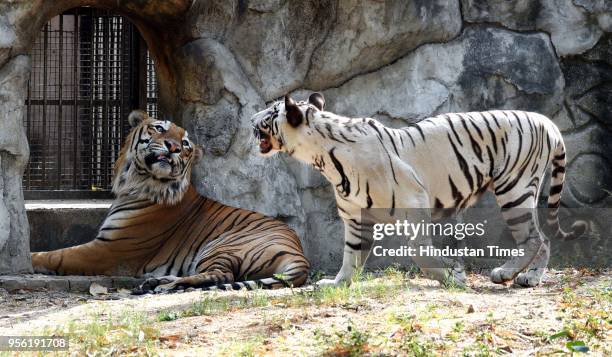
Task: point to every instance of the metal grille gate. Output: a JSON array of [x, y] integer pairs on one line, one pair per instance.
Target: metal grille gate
[[90, 68]]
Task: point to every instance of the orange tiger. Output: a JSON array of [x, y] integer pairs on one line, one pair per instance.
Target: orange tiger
[[160, 228]]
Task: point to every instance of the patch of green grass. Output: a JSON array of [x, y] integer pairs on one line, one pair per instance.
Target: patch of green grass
[[408, 337], [456, 332], [388, 282], [213, 304], [453, 286], [458, 327], [316, 275], [363, 286], [248, 347], [484, 339], [406, 321], [586, 321], [382, 285], [416, 348], [479, 349], [129, 332], [168, 315], [283, 278], [348, 342]]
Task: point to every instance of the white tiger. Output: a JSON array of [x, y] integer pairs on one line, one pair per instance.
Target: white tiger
[[447, 161]]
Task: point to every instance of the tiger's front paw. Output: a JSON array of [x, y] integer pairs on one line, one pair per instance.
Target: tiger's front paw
[[41, 263], [331, 282], [151, 284], [529, 279], [326, 282], [165, 288], [173, 284]]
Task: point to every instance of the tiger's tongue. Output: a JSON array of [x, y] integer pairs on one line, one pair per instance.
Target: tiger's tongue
[[264, 144]]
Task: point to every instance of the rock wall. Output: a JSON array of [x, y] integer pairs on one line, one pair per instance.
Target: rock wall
[[14, 152], [399, 61]]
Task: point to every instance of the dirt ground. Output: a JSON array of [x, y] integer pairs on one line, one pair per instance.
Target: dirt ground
[[390, 313]]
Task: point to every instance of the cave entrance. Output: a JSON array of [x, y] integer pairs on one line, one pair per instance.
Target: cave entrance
[[90, 68]]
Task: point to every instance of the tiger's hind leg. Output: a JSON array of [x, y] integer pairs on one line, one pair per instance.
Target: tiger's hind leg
[[225, 280], [518, 210], [206, 271], [226, 265]]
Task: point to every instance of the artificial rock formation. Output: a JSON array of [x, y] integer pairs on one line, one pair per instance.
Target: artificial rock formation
[[221, 61]]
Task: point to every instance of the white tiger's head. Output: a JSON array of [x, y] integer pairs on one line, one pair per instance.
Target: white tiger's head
[[155, 161], [276, 126]]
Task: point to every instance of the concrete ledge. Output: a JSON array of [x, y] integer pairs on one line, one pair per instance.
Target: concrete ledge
[[67, 204], [64, 223], [71, 283]]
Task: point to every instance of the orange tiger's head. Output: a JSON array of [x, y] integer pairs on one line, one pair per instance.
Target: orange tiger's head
[[155, 161]]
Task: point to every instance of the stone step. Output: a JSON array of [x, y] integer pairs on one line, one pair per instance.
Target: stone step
[[68, 283]]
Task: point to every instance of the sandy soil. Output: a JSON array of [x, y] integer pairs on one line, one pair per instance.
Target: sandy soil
[[484, 318]]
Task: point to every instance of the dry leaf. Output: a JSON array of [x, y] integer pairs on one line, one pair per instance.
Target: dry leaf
[[397, 334], [431, 330], [122, 291], [169, 338], [96, 289]]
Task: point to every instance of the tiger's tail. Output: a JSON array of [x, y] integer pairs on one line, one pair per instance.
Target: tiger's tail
[[275, 282], [554, 199], [266, 283]]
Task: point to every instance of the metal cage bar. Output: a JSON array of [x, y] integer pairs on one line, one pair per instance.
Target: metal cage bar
[[85, 80]]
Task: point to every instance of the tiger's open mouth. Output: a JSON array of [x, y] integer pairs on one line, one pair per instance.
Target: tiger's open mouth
[[264, 146], [156, 158], [164, 159]]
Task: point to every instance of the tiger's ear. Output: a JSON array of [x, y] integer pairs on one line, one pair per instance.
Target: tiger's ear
[[317, 100], [136, 117], [293, 112]]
